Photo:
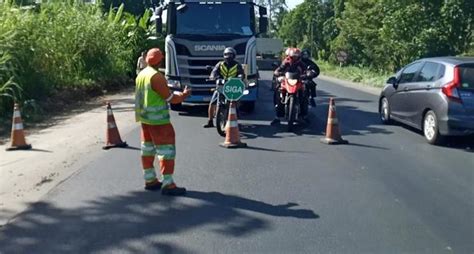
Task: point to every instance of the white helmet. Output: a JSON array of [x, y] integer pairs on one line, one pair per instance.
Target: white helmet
[[229, 53]]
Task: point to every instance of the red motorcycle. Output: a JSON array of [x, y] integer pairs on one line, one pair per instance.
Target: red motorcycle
[[293, 98]]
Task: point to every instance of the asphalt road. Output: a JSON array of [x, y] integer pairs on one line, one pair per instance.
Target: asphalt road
[[388, 191]]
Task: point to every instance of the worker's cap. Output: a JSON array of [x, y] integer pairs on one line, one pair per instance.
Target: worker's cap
[[154, 56]]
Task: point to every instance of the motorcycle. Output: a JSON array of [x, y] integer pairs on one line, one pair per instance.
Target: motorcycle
[[293, 98], [223, 105]]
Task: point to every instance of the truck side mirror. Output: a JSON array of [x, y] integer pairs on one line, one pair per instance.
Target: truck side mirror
[[158, 20], [263, 25], [263, 21]]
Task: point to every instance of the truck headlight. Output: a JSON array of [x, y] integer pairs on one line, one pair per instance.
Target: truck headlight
[[174, 83], [252, 83]]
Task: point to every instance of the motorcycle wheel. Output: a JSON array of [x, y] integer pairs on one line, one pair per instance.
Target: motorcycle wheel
[[291, 112], [221, 118]]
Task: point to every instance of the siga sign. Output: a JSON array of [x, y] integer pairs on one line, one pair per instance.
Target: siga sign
[[234, 89]]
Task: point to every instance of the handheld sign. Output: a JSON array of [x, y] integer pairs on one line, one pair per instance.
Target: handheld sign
[[234, 89]]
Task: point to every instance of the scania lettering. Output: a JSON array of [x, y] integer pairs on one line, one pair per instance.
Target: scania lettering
[[197, 32]]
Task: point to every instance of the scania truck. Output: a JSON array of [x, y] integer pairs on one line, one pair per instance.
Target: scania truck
[[197, 32]]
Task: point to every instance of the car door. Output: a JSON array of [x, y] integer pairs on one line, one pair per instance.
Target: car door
[[421, 90], [397, 101]]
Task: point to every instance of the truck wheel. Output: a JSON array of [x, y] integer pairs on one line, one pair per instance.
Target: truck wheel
[[248, 106]]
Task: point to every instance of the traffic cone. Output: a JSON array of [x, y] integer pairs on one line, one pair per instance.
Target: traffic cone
[[232, 135], [333, 134], [18, 136], [113, 136]]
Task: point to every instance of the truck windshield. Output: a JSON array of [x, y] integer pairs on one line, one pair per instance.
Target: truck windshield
[[215, 19]]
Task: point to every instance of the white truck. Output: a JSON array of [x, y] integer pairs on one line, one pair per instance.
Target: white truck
[[197, 32], [268, 52]]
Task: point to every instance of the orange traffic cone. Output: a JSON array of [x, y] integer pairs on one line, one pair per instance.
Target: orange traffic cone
[[18, 136], [232, 137], [113, 136], [333, 134]]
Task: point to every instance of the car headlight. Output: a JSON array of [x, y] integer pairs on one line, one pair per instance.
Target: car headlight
[[174, 83]]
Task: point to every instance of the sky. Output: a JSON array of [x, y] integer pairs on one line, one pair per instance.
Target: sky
[[292, 3]]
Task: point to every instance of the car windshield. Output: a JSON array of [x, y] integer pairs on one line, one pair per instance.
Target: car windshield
[[215, 19], [467, 76]]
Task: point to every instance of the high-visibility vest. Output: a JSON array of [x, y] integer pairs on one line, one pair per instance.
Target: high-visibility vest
[[150, 108], [228, 73]]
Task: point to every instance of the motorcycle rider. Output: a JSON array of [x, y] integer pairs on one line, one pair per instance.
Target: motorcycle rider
[[312, 72], [292, 63], [226, 69]]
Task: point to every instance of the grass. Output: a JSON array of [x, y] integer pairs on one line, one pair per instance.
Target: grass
[[356, 74], [64, 51]]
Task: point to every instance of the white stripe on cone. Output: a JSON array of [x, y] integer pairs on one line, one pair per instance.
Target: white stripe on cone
[[233, 111], [18, 126], [333, 121], [112, 125], [232, 124], [109, 112], [16, 114]]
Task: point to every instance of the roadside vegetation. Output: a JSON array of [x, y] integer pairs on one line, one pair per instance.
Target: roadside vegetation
[[358, 74], [65, 50], [379, 36]]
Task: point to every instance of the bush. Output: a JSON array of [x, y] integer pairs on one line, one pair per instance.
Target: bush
[[65, 46]]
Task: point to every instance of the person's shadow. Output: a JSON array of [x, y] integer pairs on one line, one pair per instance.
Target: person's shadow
[[110, 223]]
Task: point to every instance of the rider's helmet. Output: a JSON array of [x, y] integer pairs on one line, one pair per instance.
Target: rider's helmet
[[295, 54], [229, 54], [305, 54]]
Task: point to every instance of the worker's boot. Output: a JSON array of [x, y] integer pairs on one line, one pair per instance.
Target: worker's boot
[[173, 190], [210, 124], [155, 185]]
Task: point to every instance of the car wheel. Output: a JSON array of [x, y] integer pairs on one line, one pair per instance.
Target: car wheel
[[385, 111], [431, 128]]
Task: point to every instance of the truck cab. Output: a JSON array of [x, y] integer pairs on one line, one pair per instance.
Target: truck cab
[[197, 32]]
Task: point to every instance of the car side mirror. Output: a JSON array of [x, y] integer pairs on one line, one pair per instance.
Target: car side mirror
[[393, 81], [275, 64]]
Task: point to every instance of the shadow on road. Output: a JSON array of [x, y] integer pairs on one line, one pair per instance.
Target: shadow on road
[[137, 223]]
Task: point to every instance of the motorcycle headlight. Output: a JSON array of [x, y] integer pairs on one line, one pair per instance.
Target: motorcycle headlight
[[292, 82], [174, 83]]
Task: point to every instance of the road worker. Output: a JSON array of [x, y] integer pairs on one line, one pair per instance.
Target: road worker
[[157, 133]]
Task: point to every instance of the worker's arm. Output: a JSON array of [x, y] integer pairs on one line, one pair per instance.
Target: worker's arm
[[215, 74], [159, 85]]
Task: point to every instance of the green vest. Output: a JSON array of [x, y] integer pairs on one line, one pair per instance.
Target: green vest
[[227, 73], [150, 108]]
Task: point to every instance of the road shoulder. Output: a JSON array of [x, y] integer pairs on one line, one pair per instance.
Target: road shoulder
[[58, 152]]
